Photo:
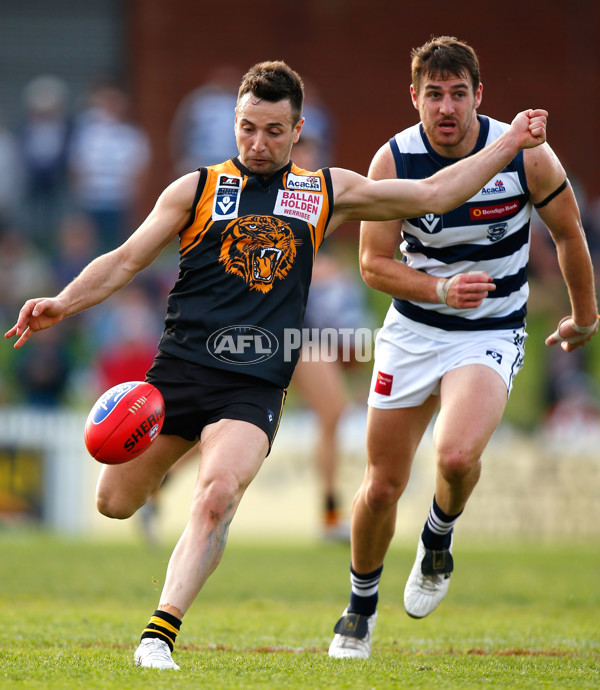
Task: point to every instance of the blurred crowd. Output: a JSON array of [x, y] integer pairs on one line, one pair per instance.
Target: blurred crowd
[[70, 183], [72, 172]]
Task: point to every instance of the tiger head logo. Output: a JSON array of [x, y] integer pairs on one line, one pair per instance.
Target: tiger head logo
[[259, 249]]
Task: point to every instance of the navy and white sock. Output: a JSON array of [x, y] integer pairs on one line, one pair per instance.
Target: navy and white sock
[[364, 593], [437, 533]]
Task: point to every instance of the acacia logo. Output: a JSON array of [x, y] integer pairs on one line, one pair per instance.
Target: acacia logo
[[242, 344], [310, 182]]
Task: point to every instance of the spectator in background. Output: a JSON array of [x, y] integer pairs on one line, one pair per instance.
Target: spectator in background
[[202, 131], [43, 139], [11, 176], [126, 334], [109, 157], [22, 267], [317, 143], [76, 246], [43, 372], [334, 301]]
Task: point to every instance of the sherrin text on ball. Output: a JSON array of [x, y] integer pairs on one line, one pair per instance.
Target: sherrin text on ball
[[124, 422]]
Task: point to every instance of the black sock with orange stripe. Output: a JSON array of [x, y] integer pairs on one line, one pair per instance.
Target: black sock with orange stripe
[[163, 626]]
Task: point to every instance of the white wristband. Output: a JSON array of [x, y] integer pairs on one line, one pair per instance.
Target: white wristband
[[441, 291], [442, 287], [584, 331]]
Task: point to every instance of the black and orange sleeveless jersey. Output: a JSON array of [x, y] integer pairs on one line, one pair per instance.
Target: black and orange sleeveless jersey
[[245, 267]]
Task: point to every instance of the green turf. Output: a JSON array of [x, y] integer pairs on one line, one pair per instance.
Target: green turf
[[516, 616]]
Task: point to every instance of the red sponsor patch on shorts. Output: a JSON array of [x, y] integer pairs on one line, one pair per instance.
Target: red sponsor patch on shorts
[[383, 384]]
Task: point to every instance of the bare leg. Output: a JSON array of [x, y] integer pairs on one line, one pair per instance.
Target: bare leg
[[322, 386], [149, 512], [473, 399], [122, 489], [232, 453], [392, 440]]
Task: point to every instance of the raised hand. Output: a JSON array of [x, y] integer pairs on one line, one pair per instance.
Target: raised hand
[[530, 128], [35, 315]]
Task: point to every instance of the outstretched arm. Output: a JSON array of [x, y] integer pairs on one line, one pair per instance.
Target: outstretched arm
[[381, 270], [111, 271], [559, 211], [358, 198]]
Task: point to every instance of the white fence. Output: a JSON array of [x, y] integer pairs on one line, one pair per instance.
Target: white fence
[[531, 486], [66, 475]]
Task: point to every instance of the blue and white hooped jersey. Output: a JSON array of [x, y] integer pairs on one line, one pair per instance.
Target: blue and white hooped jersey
[[490, 233]]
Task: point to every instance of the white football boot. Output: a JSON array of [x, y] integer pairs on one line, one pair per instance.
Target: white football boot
[[428, 581], [352, 639], [154, 653]]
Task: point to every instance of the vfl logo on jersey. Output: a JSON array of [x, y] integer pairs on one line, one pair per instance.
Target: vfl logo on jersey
[[303, 205], [227, 197], [311, 183], [259, 249], [498, 188], [430, 223], [497, 231]]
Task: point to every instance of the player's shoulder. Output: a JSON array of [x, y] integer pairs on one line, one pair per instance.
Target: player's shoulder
[[495, 128], [383, 164], [185, 185], [543, 169], [409, 140]]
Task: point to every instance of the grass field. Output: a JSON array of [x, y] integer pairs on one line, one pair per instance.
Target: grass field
[[516, 616]]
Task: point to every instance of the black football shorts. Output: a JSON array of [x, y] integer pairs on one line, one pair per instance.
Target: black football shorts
[[196, 395]]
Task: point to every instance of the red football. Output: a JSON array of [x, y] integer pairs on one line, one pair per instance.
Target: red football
[[124, 422]]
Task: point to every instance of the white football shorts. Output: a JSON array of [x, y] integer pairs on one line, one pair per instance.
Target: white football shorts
[[411, 358]]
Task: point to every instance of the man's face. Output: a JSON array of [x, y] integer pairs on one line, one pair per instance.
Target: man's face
[[265, 133], [447, 108]]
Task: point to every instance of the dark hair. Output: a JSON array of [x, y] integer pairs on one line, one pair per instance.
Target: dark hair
[[444, 56], [273, 81]]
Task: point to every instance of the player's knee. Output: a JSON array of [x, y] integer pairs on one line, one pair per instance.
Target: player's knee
[[382, 494], [110, 506], [456, 463], [216, 500], [333, 414]]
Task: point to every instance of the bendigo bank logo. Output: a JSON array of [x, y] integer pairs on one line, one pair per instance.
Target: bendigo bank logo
[[242, 344], [258, 249], [487, 213]]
